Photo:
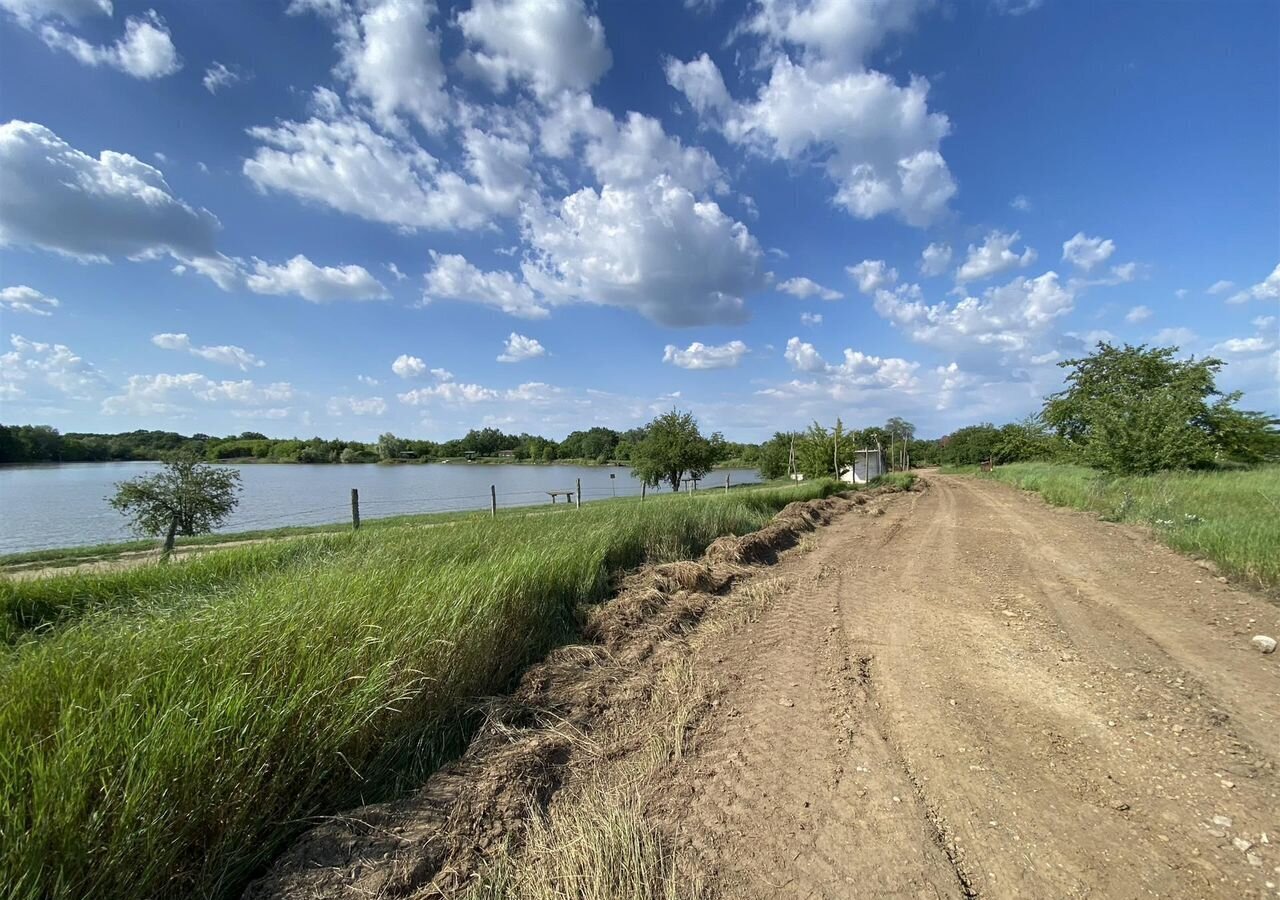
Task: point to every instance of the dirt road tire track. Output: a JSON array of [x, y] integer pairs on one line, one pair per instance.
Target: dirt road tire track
[[979, 695]]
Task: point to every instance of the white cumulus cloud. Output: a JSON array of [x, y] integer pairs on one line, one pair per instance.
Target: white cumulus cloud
[[21, 298], [872, 275], [833, 35], [28, 11], [856, 370], [407, 366], [166, 394], [59, 198], [1267, 289], [319, 284], [704, 356], [452, 277], [993, 256], [1138, 314], [880, 142], [343, 163], [804, 288], [145, 51], [224, 354], [935, 259], [220, 75], [451, 392], [31, 367], [389, 54], [356, 406], [550, 45], [627, 153], [657, 250], [1087, 252], [520, 348], [1009, 318]]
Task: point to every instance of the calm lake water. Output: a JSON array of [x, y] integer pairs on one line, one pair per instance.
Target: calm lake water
[[65, 505]]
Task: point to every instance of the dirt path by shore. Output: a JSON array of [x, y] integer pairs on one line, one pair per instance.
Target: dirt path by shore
[[980, 695], [956, 692]]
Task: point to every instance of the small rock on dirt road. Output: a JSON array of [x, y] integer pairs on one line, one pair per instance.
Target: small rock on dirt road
[[1264, 643]]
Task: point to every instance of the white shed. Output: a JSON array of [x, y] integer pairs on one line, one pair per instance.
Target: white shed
[[867, 466]]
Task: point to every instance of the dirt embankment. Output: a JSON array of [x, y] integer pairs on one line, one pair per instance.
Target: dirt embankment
[[583, 702], [970, 695]]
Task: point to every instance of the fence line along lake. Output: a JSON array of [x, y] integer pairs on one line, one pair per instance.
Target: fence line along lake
[[65, 504]]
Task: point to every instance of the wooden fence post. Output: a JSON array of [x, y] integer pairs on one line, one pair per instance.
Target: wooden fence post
[[578, 496], [493, 500], [355, 509], [726, 482]]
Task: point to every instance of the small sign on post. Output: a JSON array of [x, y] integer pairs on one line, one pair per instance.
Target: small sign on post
[[355, 509]]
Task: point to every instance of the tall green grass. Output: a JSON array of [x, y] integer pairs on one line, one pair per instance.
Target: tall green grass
[[168, 743], [1230, 517], [28, 608]]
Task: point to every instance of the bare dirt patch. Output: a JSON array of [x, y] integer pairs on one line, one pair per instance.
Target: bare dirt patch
[[964, 693]]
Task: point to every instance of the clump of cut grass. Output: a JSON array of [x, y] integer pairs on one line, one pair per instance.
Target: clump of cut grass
[[172, 740], [1230, 517], [599, 847]]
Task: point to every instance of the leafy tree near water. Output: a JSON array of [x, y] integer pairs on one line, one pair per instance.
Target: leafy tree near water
[[187, 498], [775, 455], [674, 448], [1133, 410], [817, 449]]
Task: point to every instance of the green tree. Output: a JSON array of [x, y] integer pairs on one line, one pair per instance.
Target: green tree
[[900, 434], [1025, 440], [823, 454], [1137, 410], [673, 448], [389, 446], [187, 497], [969, 446], [775, 455]]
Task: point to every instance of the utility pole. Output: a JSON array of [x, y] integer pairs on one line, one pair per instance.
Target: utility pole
[[835, 452]]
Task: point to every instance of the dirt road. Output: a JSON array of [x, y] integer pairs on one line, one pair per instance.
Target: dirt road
[[976, 695]]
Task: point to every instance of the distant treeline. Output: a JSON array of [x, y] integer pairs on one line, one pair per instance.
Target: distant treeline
[[41, 443]]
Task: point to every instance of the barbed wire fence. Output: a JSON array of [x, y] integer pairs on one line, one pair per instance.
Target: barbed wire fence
[[361, 509]]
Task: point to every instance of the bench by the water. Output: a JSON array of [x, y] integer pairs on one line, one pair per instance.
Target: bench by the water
[[568, 495]]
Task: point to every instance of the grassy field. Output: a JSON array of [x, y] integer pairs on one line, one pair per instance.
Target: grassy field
[[1232, 517], [166, 730]]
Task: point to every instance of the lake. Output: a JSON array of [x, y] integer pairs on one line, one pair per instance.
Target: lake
[[64, 505]]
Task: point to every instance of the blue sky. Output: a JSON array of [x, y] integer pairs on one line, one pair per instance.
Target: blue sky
[[342, 218]]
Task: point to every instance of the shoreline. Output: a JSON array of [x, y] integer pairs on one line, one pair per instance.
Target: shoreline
[[449, 460], [76, 555]]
